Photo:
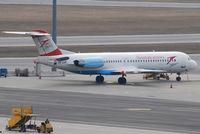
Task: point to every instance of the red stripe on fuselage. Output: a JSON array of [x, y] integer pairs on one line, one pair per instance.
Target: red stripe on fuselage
[[53, 53]]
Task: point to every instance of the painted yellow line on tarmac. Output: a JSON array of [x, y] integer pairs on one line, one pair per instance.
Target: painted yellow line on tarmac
[[108, 82], [137, 109]]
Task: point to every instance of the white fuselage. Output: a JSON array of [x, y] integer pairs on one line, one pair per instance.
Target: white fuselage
[[171, 62]]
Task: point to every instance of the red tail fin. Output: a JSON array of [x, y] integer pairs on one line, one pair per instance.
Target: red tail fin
[[45, 45]]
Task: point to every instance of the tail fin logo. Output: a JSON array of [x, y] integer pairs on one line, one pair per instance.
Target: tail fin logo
[[44, 42], [171, 58]]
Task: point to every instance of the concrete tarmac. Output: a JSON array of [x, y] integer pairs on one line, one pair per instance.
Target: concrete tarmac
[[105, 3], [106, 110], [107, 40]]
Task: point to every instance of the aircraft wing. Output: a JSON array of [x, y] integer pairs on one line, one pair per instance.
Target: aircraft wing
[[134, 70]]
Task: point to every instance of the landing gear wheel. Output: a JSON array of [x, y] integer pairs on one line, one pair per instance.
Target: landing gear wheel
[[38, 129], [162, 75], [122, 80], [167, 77], [178, 78], [99, 79]]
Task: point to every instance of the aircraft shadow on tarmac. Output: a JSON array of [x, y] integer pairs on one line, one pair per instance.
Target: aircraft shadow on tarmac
[[144, 83]]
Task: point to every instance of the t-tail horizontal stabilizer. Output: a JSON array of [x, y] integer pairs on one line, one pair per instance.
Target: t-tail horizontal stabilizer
[[26, 33], [44, 43]]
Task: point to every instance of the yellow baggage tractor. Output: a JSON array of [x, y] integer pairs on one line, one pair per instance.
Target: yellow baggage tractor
[[155, 76], [45, 127]]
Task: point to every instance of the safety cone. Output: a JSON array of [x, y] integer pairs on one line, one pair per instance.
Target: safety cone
[[171, 85], [40, 77]]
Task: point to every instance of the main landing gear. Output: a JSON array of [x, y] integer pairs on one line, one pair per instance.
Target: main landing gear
[[99, 79], [122, 80], [178, 78]]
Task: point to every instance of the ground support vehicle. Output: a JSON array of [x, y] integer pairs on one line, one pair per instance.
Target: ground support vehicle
[[21, 115], [45, 127], [156, 76], [3, 72]]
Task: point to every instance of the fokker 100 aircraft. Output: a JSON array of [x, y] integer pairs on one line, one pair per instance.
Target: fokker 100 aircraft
[[115, 63]]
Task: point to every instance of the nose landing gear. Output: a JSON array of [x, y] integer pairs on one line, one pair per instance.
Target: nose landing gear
[[178, 78]]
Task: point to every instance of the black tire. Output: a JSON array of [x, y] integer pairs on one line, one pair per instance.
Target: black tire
[[161, 75], [122, 81], [158, 78], [178, 78], [102, 79], [38, 130], [99, 79]]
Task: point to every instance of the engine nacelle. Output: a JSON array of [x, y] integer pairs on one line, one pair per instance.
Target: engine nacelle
[[89, 62]]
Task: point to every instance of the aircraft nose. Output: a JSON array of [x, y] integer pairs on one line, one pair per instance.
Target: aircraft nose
[[194, 64]]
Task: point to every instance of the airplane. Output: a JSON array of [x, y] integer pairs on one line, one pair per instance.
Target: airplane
[[109, 63]]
